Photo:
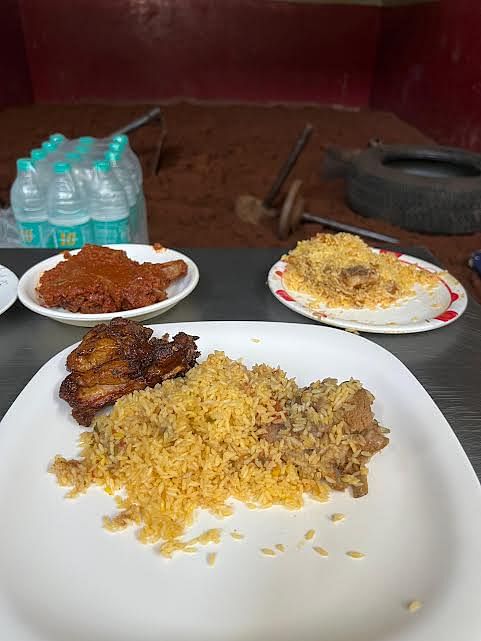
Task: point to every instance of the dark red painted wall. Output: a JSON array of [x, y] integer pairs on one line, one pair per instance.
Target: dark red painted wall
[[422, 61], [149, 50], [14, 75], [429, 69]]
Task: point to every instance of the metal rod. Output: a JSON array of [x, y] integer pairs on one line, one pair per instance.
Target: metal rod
[[153, 114], [328, 222], [287, 167], [158, 152]]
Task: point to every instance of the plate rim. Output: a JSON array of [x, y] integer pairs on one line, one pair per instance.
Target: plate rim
[[15, 281], [457, 306], [64, 315]]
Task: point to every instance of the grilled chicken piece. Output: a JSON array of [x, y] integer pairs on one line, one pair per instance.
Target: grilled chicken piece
[[117, 358], [105, 342]]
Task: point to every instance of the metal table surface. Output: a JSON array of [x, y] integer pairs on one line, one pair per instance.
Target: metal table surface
[[232, 286]]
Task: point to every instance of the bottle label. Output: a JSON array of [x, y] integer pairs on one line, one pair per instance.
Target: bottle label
[[71, 236], [34, 234], [111, 232]]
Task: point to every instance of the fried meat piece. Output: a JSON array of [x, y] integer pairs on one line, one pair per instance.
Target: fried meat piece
[[117, 358]]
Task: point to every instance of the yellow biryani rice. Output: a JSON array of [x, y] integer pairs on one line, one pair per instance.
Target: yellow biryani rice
[[197, 441], [340, 270]]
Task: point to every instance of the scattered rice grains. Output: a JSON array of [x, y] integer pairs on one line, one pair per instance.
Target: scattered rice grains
[[211, 558], [237, 536], [310, 534], [268, 552], [337, 517], [320, 551], [223, 431], [355, 555], [414, 606]]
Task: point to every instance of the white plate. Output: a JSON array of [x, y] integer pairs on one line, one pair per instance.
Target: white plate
[[141, 253], [8, 288], [420, 313], [64, 577]]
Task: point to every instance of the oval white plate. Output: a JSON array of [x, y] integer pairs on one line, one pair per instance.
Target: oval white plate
[[142, 254], [8, 288], [63, 577], [420, 313]]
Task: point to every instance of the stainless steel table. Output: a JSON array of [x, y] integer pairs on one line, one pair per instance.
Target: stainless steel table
[[232, 286]]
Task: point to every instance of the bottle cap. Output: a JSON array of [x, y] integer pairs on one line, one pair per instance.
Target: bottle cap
[[38, 154], [83, 148], [49, 146], [73, 156], [102, 165], [116, 146], [61, 167], [24, 164], [57, 138], [121, 139], [113, 156]]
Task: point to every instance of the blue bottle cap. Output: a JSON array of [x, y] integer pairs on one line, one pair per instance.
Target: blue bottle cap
[[73, 156], [24, 164], [113, 156], [61, 167], [122, 139], [38, 154], [49, 146], [102, 165], [57, 138]]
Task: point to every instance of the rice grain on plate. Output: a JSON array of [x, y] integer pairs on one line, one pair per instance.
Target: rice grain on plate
[[223, 431], [340, 270]]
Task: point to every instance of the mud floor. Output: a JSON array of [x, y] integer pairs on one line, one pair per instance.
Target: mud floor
[[215, 153]]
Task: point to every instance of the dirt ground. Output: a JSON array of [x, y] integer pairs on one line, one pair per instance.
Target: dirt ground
[[215, 153]]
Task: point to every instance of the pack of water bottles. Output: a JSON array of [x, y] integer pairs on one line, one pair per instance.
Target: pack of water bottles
[[72, 192]]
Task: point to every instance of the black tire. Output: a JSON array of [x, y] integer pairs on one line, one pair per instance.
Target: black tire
[[442, 205]]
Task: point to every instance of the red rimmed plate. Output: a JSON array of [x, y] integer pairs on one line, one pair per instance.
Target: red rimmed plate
[[422, 312]]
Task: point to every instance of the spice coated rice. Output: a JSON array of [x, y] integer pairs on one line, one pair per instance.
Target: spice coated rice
[[222, 431], [340, 270]]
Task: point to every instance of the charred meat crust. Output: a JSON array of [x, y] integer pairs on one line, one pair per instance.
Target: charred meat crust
[[117, 358]]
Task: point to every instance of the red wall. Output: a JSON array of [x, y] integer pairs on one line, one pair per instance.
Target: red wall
[[429, 69], [149, 50], [14, 74], [421, 61]]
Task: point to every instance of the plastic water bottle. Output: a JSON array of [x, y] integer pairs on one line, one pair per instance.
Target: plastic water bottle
[[78, 169], [67, 210], [123, 141], [126, 161], [97, 146], [42, 166], [52, 152], [127, 182], [108, 206], [85, 140], [29, 205]]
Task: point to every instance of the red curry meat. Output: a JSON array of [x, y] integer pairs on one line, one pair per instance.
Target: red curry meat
[[100, 280]]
